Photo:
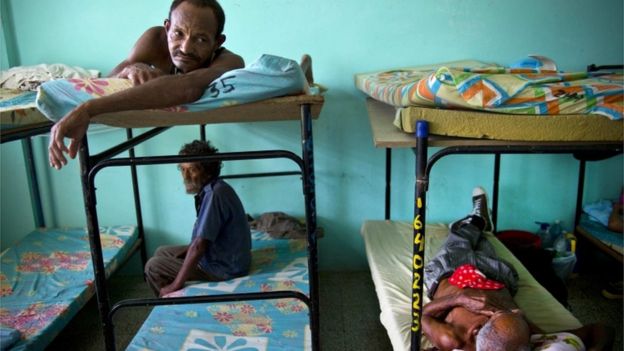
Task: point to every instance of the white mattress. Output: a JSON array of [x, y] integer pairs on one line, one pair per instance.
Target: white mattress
[[389, 253]]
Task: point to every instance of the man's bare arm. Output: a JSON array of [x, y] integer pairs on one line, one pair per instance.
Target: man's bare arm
[[193, 255], [148, 59], [440, 333], [164, 91], [596, 337]]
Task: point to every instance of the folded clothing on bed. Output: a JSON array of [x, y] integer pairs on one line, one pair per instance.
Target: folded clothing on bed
[[269, 76], [28, 78], [481, 86]]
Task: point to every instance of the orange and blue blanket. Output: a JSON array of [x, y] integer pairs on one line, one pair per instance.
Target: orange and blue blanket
[[495, 88]]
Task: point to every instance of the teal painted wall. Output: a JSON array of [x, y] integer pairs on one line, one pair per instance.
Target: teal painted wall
[[344, 38]]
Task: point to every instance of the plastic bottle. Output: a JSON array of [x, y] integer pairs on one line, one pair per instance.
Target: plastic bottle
[[544, 234], [556, 230], [561, 245]]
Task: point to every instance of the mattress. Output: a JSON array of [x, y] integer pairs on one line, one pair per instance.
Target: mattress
[[269, 89], [279, 324], [612, 240], [48, 276], [484, 125], [18, 110], [515, 104], [268, 77], [389, 253]]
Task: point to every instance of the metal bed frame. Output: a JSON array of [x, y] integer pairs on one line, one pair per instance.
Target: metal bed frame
[[25, 135], [423, 165], [90, 165], [385, 135]]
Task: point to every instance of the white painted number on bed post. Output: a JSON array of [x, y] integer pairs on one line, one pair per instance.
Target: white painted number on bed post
[[417, 263]]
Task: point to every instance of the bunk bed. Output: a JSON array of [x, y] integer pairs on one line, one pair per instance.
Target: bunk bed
[[294, 106], [47, 276], [398, 251]]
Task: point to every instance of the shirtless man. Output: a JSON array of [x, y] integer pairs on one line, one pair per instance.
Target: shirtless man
[[471, 293], [169, 65]]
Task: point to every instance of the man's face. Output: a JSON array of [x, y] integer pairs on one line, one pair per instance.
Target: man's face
[[191, 36], [194, 177]]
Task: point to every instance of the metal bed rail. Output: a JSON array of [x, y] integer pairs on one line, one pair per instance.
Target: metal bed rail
[[423, 169]]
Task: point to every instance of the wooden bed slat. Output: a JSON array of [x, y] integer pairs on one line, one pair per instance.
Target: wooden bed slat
[[276, 109]]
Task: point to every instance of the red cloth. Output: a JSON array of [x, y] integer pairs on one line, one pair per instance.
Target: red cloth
[[468, 276]]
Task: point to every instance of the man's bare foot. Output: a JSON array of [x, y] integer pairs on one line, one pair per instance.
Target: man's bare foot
[[306, 66]]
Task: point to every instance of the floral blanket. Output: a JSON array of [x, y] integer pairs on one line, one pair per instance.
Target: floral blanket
[[282, 324], [494, 88], [18, 109], [269, 76], [47, 277]]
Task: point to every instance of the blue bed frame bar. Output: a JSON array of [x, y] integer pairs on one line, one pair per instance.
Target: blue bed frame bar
[[90, 165], [424, 164]]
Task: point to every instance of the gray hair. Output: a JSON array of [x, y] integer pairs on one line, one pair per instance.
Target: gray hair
[[490, 339]]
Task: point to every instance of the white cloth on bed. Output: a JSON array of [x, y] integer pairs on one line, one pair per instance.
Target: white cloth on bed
[[599, 211], [30, 77], [556, 342]]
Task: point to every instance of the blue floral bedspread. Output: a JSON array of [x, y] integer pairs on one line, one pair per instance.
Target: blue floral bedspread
[[281, 324], [47, 277]]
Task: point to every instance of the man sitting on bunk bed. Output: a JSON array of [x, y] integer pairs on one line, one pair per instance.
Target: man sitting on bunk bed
[[220, 247], [471, 293], [170, 66]]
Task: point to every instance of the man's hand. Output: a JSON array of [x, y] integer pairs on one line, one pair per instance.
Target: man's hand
[[478, 301], [164, 291], [139, 73], [73, 126]]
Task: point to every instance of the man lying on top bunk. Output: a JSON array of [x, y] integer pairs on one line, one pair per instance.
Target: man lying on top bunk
[[170, 66], [471, 293]]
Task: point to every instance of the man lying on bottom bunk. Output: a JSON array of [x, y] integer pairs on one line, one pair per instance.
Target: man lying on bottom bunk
[[471, 292], [220, 247]]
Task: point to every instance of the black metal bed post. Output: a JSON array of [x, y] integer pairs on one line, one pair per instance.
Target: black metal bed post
[[202, 132], [137, 202], [88, 191], [495, 191], [309, 194], [418, 259], [579, 193], [33, 182], [388, 182]]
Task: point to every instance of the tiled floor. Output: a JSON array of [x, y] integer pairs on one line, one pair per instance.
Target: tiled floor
[[349, 313]]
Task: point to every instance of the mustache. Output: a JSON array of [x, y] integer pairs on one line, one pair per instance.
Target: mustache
[[179, 53]]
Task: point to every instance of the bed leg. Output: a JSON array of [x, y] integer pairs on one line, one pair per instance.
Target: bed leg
[[137, 202], [95, 244], [311, 226], [418, 259]]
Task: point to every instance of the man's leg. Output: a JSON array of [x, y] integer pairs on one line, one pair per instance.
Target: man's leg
[[176, 251], [163, 268], [463, 239]]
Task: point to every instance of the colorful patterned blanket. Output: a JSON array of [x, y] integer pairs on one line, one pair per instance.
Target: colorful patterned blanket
[[269, 76], [18, 109], [499, 89], [282, 324], [47, 277]]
